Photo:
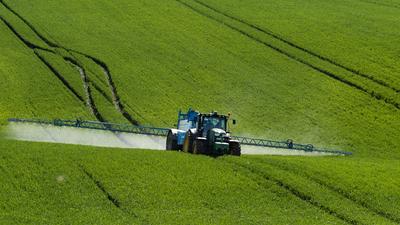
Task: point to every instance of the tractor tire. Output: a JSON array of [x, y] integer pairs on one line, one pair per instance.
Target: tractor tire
[[172, 142], [200, 147], [234, 148], [188, 143]]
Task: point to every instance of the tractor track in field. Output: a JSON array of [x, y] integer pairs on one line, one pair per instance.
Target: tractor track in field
[[89, 98], [305, 50], [101, 187], [334, 76], [102, 92], [116, 100], [109, 196], [110, 82], [298, 194], [380, 4], [339, 191], [34, 48], [58, 75]]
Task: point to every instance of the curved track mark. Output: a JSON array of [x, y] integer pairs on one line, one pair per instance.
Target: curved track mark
[[101, 187], [298, 194], [89, 98], [34, 48], [59, 76], [380, 4], [337, 190], [323, 58], [373, 94], [115, 201], [116, 99], [48, 42]]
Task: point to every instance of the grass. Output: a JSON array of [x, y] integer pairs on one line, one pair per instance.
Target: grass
[[348, 36], [317, 72], [23, 82], [212, 61], [149, 187], [44, 186], [71, 184], [347, 185]]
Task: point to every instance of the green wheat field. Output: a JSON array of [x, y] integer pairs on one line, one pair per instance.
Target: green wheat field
[[321, 72]]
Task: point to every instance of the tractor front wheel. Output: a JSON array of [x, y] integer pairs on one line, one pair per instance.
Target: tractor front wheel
[[200, 147], [234, 148]]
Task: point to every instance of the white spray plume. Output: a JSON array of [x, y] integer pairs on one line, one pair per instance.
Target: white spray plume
[[102, 138], [79, 136]]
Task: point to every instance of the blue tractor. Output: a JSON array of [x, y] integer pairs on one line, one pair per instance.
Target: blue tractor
[[203, 133]]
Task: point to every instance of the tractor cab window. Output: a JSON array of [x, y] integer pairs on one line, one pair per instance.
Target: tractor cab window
[[186, 125], [213, 122]]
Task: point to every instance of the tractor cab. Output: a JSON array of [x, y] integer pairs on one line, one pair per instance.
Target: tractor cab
[[206, 122]]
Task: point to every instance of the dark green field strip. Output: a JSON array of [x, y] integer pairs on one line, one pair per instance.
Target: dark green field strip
[[52, 44], [380, 89], [344, 199], [314, 176]]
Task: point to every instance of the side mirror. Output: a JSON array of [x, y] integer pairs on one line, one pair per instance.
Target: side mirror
[[234, 122]]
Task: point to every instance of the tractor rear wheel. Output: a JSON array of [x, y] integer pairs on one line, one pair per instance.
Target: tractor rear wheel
[[188, 142], [234, 148], [200, 147], [172, 142]]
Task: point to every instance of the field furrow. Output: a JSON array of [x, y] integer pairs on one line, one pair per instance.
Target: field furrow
[[358, 207], [115, 97], [59, 76], [89, 98], [34, 48], [390, 98], [90, 103], [301, 195], [381, 3], [375, 203], [303, 49]]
